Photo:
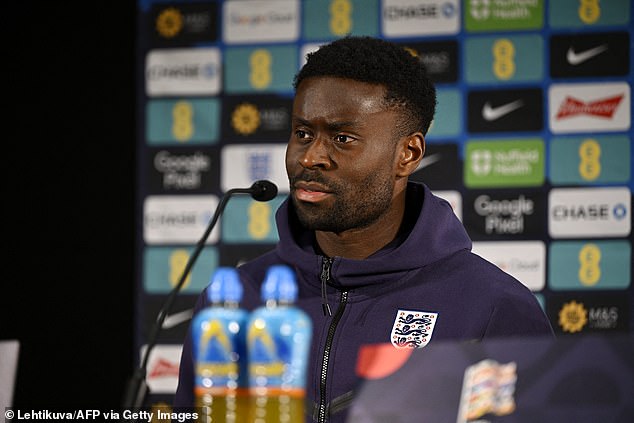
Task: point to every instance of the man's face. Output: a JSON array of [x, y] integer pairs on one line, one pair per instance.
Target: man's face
[[340, 157]]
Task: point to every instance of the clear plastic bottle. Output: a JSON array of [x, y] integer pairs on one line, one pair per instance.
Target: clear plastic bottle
[[218, 335], [278, 344]]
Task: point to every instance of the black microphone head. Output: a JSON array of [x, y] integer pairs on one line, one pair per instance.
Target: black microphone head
[[263, 190]]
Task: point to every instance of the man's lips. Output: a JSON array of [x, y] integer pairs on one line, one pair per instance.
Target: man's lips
[[310, 192]]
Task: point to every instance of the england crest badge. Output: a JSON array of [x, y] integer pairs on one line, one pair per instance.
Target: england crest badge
[[413, 329]]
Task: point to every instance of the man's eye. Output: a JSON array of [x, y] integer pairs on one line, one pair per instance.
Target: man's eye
[[301, 134], [342, 139]]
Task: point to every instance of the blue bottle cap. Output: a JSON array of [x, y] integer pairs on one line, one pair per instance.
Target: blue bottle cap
[[279, 284], [225, 286]]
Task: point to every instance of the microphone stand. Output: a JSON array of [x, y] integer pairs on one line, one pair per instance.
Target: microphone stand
[[137, 388]]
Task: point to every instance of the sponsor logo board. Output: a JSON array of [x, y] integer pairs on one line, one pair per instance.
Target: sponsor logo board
[[485, 15], [582, 313], [249, 221], [182, 72], [594, 54], [338, 18], [590, 159], [524, 260], [178, 24], [244, 164], [504, 214], [403, 18], [589, 212], [185, 121], [518, 110], [257, 118], [504, 163], [255, 21], [183, 170], [504, 59], [589, 107], [589, 265], [178, 219]]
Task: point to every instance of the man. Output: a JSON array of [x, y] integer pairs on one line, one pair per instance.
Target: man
[[369, 247]]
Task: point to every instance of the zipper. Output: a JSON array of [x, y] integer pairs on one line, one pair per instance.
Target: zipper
[[326, 265], [326, 361]]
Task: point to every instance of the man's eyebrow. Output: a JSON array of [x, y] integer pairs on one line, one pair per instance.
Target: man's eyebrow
[[333, 126]]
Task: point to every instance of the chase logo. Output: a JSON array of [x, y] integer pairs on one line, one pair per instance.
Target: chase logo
[[248, 221], [183, 122], [588, 13], [255, 21], [263, 69], [589, 107], [259, 118], [420, 17], [190, 71], [489, 15], [337, 18], [589, 212], [524, 260], [589, 265], [517, 58], [163, 267], [183, 24], [178, 219], [244, 164], [596, 159], [504, 163]]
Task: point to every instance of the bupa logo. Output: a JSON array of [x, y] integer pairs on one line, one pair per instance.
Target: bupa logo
[[589, 212]]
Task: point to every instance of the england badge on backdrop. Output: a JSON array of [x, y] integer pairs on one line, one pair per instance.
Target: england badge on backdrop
[[412, 329]]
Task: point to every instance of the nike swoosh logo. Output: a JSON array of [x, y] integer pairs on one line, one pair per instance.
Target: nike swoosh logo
[[494, 113], [577, 58], [427, 161], [173, 320]]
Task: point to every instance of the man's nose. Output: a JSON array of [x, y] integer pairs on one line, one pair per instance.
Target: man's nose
[[316, 155]]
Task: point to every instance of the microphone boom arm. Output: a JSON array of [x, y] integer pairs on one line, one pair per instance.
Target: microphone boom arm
[[137, 387]]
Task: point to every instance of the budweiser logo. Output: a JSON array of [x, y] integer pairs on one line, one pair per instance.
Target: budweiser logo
[[164, 368], [602, 108]]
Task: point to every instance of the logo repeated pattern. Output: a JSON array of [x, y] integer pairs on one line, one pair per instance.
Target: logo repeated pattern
[[531, 144]]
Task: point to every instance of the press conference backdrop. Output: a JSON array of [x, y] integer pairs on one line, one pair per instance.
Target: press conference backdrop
[[531, 143]]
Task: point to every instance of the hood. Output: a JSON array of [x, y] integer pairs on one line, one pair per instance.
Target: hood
[[436, 234]]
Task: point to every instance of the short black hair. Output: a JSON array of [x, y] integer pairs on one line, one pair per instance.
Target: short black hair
[[378, 61]]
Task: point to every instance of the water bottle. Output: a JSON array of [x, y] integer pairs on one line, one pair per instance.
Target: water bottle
[[218, 337], [278, 344]]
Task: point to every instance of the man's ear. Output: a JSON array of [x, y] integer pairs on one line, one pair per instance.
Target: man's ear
[[411, 151]]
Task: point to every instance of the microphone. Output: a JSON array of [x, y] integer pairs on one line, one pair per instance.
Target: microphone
[[137, 388], [263, 190]]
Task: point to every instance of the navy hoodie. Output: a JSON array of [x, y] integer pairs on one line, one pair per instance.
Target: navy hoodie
[[429, 268]]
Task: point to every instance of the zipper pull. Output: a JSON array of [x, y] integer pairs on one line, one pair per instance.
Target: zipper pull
[[325, 277]]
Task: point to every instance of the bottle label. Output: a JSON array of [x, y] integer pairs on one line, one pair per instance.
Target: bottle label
[[219, 350], [278, 342]]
